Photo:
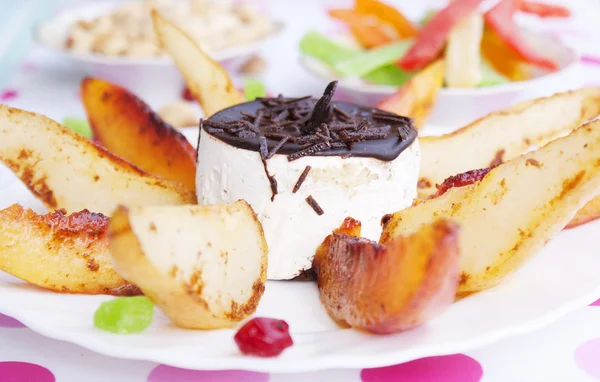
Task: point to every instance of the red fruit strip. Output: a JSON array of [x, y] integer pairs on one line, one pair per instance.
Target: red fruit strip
[[432, 38], [543, 9], [500, 19]]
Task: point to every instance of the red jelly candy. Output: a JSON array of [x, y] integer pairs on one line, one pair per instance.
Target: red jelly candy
[[264, 337]]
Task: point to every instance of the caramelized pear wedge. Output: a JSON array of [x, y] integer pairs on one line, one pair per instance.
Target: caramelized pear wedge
[[388, 288], [418, 96], [205, 267], [515, 209], [128, 128], [589, 212], [67, 254], [207, 80], [504, 135], [67, 171]]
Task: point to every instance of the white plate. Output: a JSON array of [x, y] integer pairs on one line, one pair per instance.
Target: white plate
[[455, 106], [142, 75], [563, 277]]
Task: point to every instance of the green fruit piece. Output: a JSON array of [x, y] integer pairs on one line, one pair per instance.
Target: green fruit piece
[[388, 75], [367, 61], [124, 315], [80, 126], [317, 46], [254, 89], [489, 76]]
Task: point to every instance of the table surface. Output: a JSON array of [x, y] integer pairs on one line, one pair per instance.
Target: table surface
[[567, 350]]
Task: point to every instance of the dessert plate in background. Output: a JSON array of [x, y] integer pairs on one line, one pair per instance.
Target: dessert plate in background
[[132, 73], [456, 106], [561, 278]]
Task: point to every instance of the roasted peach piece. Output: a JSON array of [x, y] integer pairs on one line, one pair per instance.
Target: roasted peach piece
[[127, 127], [68, 254], [392, 287]]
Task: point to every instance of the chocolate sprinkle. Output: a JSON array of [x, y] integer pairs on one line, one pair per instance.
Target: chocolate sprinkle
[[272, 180], [276, 148], [315, 206], [301, 179], [322, 109], [309, 151], [264, 151]]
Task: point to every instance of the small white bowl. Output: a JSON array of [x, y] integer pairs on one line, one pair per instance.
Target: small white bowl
[[142, 75], [456, 106]]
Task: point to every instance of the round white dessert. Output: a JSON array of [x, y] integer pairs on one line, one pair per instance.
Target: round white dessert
[[363, 188]]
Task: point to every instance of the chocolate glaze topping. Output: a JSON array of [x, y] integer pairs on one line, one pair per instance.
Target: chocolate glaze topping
[[309, 127]]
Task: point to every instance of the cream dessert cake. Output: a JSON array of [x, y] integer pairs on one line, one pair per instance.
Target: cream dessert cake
[[304, 165]]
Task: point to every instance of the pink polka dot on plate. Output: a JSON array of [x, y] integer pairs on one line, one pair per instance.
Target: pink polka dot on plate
[[450, 368], [8, 95], [595, 303], [9, 322], [587, 356], [28, 67], [163, 373], [24, 372]]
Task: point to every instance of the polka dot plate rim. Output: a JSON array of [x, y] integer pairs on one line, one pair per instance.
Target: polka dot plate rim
[[557, 281]]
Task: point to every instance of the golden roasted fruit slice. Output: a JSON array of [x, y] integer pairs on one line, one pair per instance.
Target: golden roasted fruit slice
[[515, 209], [127, 127], [504, 135], [67, 171], [207, 80], [204, 266], [388, 288], [418, 96], [589, 212], [62, 253]]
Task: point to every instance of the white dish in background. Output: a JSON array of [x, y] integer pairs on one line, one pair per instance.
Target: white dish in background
[[142, 75], [558, 280], [455, 106]]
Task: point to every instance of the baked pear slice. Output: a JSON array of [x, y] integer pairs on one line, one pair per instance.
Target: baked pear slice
[[504, 135], [418, 96], [207, 80], [59, 252], [514, 210], [205, 267], [388, 288], [67, 171]]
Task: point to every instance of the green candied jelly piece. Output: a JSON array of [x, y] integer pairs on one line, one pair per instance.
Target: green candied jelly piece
[[319, 47], [80, 126], [254, 89], [124, 315], [367, 61], [489, 76]]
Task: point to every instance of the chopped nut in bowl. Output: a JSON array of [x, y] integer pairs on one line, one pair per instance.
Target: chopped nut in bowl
[[116, 41]]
